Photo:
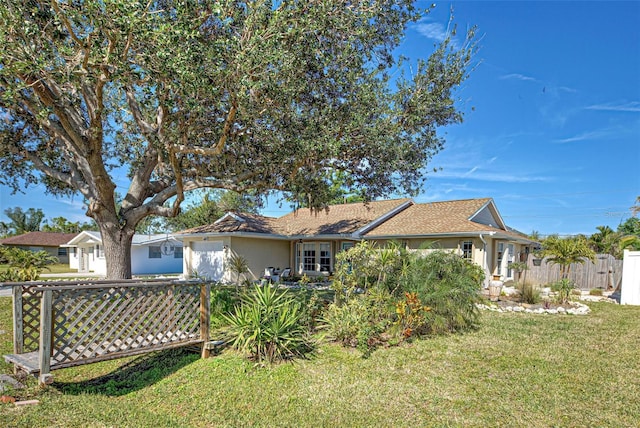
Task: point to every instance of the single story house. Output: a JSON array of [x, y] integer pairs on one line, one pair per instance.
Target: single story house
[[150, 254], [51, 242], [307, 242]]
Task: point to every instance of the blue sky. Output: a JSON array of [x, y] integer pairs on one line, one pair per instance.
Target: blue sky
[[552, 116]]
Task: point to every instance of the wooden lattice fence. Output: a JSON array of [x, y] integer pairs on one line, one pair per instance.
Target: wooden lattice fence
[[59, 325], [605, 273]]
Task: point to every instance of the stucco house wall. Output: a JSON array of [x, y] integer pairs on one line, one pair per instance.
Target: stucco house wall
[[261, 253], [142, 264]]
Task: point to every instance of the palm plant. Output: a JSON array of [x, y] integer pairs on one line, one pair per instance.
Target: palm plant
[[566, 251], [606, 240], [238, 265]]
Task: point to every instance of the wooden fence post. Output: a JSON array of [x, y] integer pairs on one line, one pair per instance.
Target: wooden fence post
[[18, 327], [205, 318], [46, 336]]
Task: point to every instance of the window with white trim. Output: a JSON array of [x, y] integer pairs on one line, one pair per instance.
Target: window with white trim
[[177, 252], [325, 257], [467, 250], [155, 252], [309, 257], [313, 257]]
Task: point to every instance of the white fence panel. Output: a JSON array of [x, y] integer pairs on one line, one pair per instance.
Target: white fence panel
[[630, 291]]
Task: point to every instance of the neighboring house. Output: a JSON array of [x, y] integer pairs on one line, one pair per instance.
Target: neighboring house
[[307, 242], [150, 254], [51, 242]]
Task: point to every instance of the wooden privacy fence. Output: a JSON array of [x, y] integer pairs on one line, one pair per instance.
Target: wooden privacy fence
[[605, 272], [59, 325]]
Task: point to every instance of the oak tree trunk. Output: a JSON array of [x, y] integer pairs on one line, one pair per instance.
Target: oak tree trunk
[[117, 251]]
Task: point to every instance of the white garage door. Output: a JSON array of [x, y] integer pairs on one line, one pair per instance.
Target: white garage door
[[207, 259]]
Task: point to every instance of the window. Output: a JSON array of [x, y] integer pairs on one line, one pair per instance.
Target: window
[[510, 259], [313, 257], [100, 251], [347, 245], [309, 257], [325, 257], [177, 253], [467, 250], [499, 260], [155, 252], [62, 251]]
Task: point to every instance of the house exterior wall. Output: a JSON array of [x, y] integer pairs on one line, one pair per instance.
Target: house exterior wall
[[450, 244], [142, 264], [73, 257], [91, 259], [191, 262], [260, 254]]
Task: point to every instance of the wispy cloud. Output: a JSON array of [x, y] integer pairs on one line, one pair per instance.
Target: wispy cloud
[[476, 174], [567, 89], [518, 76], [632, 106], [596, 134], [471, 171], [431, 30]]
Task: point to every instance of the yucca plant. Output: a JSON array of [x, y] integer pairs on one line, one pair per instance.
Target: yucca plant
[[266, 325]]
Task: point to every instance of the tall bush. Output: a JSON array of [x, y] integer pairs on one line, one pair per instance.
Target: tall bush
[[24, 265], [450, 287]]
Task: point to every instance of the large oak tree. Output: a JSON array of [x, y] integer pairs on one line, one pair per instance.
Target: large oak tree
[[237, 95]]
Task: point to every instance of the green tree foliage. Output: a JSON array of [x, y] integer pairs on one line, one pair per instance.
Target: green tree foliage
[[62, 225], [22, 221], [630, 226], [225, 94], [605, 241], [566, 251], [210, 208]]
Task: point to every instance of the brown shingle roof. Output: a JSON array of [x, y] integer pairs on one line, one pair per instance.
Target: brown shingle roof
[[434, 218], [250, 223], [339, 219], [40, 239], [408, 219]]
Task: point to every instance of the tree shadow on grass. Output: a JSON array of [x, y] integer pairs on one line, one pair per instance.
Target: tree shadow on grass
[[137, 374]]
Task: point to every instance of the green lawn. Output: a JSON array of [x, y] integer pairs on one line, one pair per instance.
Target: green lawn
[[55, 268], [517, 370]]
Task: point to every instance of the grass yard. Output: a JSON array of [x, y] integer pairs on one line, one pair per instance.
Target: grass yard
[[54, 268], [517, 370]]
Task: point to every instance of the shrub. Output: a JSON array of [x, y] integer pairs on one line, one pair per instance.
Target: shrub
[[266, 324], [412, 315], [564, 287], [450, 286], [529, 294], [361, 320], [595, 292], [25, 265], [223, 300]]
